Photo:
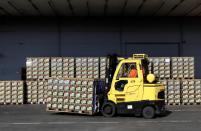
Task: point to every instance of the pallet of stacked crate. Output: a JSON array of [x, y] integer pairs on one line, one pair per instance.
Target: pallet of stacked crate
[[68, 67], [174, 94], [42, 91], [197, 84], [188, 92], [56, 67], [32, 92], [92, 67], [11, 92], [103, 67], [71, 95], [165, 83], [14, 92], [17, 91], [36, 91], [37, 67], [178, 65], [182, 67], [160, 66], [8, 95], [189, 67], [78, 67], [84, 67], [2, 92], [184, 92], [81, 67]]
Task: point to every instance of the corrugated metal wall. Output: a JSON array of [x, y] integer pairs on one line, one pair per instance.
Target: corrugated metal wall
[[22, 37]]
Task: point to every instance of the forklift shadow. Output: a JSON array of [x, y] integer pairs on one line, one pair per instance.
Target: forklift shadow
[[167, 113]]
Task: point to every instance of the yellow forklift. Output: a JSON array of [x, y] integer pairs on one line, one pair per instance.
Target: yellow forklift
[[140, 95]]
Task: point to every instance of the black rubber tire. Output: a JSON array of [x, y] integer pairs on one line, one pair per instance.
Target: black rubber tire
[[108, 109], [148, 112]]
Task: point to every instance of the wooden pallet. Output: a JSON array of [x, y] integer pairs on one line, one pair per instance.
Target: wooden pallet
[[189, 104], [36, 102], [36, 79], [174, 104], [197, 103], [70, 111], [181, 78], [15, 103]]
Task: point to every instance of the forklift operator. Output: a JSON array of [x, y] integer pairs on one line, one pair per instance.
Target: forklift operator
[[133, 72]]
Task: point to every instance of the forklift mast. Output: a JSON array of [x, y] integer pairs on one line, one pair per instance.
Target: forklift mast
[[111, 68]]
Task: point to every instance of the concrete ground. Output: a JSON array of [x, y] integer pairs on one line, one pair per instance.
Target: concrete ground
[[35, 118]]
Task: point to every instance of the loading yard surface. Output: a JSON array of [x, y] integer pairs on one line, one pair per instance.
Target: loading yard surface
[[34, 117]]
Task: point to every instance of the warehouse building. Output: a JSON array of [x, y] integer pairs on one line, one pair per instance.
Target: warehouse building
[[88, 28], [96, 28]]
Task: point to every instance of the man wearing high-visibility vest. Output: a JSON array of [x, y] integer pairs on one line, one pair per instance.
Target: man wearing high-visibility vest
[[133, 72]]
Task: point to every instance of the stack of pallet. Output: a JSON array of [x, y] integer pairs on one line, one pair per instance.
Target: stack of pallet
[[36, 91], [56, 67], [62, 67], [71, 95], [81, 67], [68, 67], [197, 84], [37, 68], [103, 67], [93, 67], [191, 91], [177, 74], [11, 92], [182, 67], [184, 91], [160, 66], [188, 92], [173, 92], [38, 71], [88, 67]]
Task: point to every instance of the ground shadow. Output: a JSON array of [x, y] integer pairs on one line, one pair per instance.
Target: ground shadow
[[167, 113]]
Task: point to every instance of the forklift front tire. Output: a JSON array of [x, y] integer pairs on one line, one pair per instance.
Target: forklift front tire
[[148, 112], [108, 109]]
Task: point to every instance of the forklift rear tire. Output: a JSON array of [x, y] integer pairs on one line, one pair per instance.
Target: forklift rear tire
[[108, 109], [148, 112]]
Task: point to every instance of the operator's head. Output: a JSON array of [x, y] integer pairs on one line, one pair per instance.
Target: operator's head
[[133, 67]]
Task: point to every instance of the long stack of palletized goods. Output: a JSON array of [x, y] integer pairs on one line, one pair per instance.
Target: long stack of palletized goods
[[93, 67], [81, 67], [56, 67], [191, 91], [42, 68], [62, 67], [182, 67], [36, 91], [68, 67], [87, 67], [11, 92], [72, 96], [188, 91], [103, 67], [197, 91], [37, 68], [160, 66], [38, 71], [173, 92]]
